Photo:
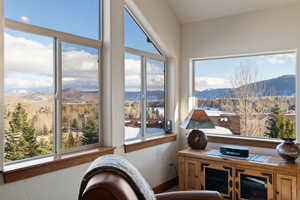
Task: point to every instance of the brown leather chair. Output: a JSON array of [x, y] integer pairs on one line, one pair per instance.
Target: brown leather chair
[[111, 183]]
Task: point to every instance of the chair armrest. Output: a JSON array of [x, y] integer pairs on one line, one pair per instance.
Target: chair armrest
[[189, 195]]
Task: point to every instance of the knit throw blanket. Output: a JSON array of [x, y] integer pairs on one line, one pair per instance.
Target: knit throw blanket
[[121, 166]]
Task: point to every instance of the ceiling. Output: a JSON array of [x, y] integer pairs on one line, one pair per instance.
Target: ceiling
[[199, 10]]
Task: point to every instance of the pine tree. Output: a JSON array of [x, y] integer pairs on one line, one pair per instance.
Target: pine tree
[[90, 133], [280, 127], [21, 139], [13, 150], [30, 145], [275, 123]]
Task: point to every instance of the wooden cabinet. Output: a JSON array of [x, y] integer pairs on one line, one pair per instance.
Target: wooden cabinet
[[286, 188], [239, 179], [192, 179]]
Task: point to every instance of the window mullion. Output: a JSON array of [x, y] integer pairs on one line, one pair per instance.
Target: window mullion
[[144, 97], [58, 97]]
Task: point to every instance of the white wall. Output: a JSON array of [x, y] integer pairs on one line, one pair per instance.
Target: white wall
[[263, 31], [154, 163]]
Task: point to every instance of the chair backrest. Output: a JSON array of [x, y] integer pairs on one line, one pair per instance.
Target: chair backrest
[[113, 177], [108, 186]]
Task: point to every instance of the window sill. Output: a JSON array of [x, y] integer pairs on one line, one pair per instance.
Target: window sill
[[234, 140], [150, 142], [49, 164]]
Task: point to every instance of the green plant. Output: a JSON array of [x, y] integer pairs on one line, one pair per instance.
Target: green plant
[[278, 126]]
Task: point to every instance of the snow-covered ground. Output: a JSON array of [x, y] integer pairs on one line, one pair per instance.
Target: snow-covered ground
[[214, 111], [131, 133], [217, 130]]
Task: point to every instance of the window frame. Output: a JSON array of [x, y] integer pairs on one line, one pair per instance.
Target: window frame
[[266, 142], [144, 55], [58, 38]]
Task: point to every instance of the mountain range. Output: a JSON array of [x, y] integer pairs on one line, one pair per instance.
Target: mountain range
[[281, 86]]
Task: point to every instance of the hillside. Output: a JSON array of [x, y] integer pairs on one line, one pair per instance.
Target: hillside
[[281, 86]]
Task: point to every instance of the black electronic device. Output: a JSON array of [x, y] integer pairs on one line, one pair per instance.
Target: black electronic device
[[238, 151]]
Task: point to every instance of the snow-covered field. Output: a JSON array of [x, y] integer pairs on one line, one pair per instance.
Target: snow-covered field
[[131, 133]]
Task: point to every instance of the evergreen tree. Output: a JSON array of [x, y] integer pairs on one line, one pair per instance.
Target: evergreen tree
[[280, 127], [21, 139], [13, 150], [90, 133], [275, 122]]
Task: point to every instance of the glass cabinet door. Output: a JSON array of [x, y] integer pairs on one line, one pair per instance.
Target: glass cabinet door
[[254, 185], [217, 177]]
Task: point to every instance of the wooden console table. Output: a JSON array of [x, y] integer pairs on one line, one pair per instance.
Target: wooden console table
[[261, 177]]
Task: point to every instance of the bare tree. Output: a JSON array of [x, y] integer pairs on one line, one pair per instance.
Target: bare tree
[[247, 91]]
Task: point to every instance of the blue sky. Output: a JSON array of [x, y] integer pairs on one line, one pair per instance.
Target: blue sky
[[82, 19], [76, 17]]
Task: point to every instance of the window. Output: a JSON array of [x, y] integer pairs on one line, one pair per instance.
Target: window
[[80, 96], [144, 106], [29, 99], [77, 18], [155, 96], [133, 91], [248, 96], [51, 80], [135, 37]]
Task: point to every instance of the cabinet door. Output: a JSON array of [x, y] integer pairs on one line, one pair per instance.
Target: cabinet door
[[253, 184], [192, 181], [181, 172], [217, 177], [286, 187]]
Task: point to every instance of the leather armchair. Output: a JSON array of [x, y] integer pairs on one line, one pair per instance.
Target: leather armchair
[[112, 184]]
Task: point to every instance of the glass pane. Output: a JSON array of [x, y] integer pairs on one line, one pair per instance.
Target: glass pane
[[76, 16], [80, 96], [135, 36], [132, 106], [253, 187], [216, 180], [155, 97], [248, 96], [28, 95]]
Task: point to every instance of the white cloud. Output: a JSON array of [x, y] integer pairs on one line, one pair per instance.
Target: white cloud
[[35, 60], [32, 60], [204, 83], [281, 59], [155, 78], [28, 83], [80, 64], [275, 60], [25, 19]]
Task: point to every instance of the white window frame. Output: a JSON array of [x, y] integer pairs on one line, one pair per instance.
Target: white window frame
[[58, 37], [143, 100], [193, 104]]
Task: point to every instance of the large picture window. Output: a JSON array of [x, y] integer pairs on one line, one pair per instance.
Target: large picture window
[[144, 106], [248, 96], [51, 79]]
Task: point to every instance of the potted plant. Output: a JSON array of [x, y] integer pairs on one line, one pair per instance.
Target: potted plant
[[288, 150]]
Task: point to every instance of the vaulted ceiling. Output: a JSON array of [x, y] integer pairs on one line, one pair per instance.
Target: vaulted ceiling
[[199, 10]]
